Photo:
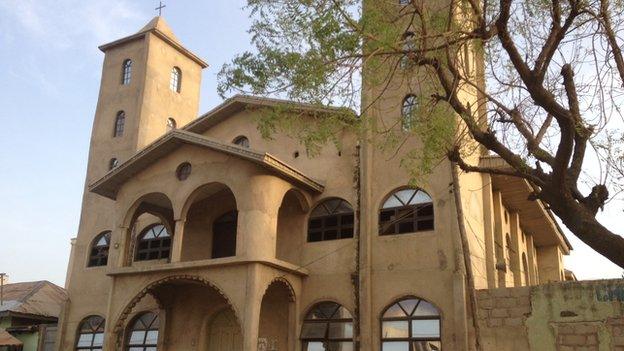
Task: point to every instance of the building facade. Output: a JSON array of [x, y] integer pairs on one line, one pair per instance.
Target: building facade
[[198, 234]]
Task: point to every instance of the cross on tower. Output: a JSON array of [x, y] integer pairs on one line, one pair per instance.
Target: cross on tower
[[160, 7]]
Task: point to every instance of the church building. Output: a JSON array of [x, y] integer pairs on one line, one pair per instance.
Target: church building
[[197, 233]]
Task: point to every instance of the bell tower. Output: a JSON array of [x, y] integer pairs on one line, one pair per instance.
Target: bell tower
[[150, 84]]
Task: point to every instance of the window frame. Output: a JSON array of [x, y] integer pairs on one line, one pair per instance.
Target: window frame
[[414, 209], [241, 141], [409, 319], [99, 256], [131, 328], [175, 80], [407, 120], [327, 321], [160, 249], [338, 227], [100, 329], [120, 124], [126, 72]]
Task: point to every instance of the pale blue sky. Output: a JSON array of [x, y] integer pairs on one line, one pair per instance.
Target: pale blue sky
[[49, 84]]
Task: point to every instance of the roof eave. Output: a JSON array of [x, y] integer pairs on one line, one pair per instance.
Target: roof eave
[[108, 185], [160, 35]]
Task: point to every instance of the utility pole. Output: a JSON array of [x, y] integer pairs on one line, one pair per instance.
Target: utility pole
[[2, 275]]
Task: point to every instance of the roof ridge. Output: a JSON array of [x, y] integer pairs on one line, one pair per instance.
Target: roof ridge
[[39, 284]]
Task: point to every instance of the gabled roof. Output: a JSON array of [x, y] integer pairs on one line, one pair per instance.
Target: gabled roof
[[238, 103], [7, 339], [161, 29], [40, 298], [535, 217], [110, 184]]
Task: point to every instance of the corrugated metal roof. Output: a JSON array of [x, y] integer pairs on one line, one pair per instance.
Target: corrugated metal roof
[[7, 339], [40, 298]]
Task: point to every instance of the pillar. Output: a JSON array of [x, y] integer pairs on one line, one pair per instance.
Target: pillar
[[253, 304], [178, 240], [488, 216], [515, 261]]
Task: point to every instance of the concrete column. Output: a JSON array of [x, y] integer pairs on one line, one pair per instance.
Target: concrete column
[[121, 241], [257, 217], [253, 304], [488, 217], [178, 241], [533, 275], [514, 259], [499, 239]]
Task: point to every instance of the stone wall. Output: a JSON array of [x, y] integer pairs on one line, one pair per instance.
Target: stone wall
[[571, 316]]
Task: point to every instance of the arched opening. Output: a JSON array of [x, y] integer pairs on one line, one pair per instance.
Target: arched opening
[[90, 334], [98, 254], [211, 224], [290, 223], [224, 333], [192, 314], [411, 324], [151, 229], [276, 316], [327, 327], [406, 211], [175, 83]]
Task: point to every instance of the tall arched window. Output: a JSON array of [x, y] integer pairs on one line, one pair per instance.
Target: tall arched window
[[99, 250], [224, 235], [126, 72], [91, 334], [406, 211], [410, 104], [409, 48], [327, 327], [331, 219], [120, 124], [241, 141], [154, 243], [143, 333], [410, 324], [175, 84]]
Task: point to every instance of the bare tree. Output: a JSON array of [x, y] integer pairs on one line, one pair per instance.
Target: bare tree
[[546, 78]]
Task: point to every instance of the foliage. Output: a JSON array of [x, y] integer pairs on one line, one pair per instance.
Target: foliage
[[537, 83]]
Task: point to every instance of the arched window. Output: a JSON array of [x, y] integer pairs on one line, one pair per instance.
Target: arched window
[[171, 124], [91, 334], [154, 243], [176, 80], [99, 250], [410, 104], [406, 211], [409, 47], [410, 324], [120, 124], [327, 327], [143, 334], [241, 141], [126, 72], [331, 219], [113, 163], [224, 235]]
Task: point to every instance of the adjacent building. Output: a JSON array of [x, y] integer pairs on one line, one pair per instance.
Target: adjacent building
[[29, 315]]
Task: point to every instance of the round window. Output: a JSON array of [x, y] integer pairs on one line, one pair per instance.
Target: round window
[[183, 171]]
